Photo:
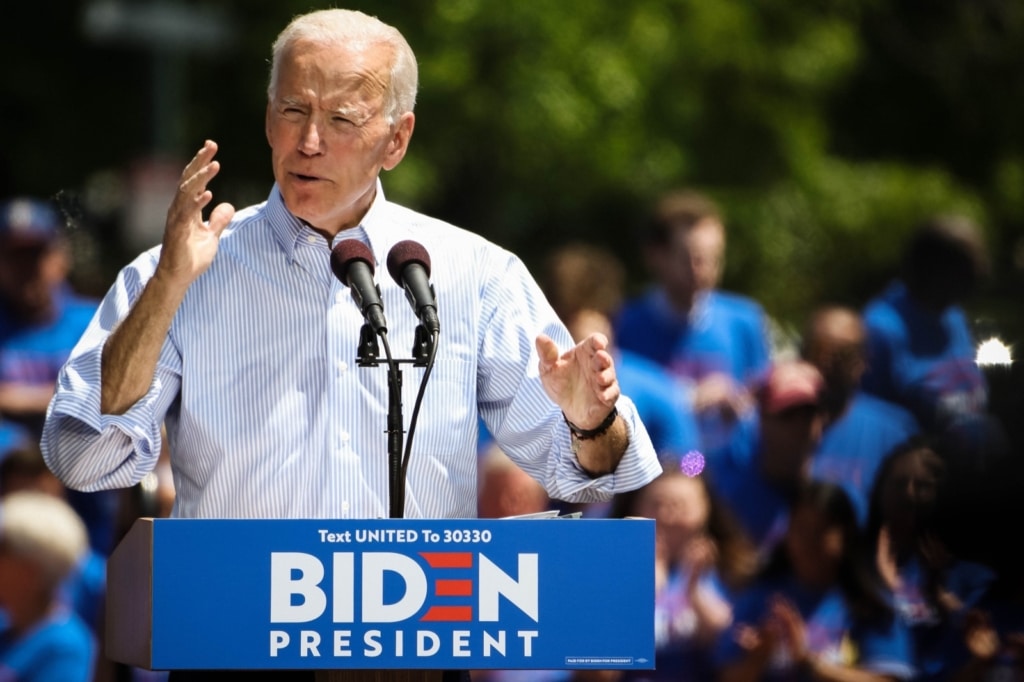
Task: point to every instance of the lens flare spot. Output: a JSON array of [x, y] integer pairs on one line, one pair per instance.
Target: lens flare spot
[[993, 352], [692, 463]]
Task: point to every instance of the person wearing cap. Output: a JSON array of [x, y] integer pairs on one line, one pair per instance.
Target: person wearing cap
[[42, 540], [769, 455], [27, 230], [41, 317]]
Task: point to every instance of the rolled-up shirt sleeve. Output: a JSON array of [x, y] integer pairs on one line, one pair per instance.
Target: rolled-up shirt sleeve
[[91, 451], [517, 410], [638, 466]]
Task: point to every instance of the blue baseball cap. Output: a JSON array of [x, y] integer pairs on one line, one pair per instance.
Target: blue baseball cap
[[29, 220]]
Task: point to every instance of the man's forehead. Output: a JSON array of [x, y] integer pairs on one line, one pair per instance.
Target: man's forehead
[[351, 66]]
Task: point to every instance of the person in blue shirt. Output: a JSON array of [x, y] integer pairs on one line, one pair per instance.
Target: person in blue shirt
[[717, 342], [768, 457], [819, 610], [702, 558], [933, 587], [861, 428], [41, 320], [41, 317], [921, 351], [41, 541]]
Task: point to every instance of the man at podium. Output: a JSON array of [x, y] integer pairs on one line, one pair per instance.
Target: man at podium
[[236, 336]]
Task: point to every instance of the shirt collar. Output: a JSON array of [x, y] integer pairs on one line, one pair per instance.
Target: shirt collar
[[286, 228], [289, 230], [384, 225]]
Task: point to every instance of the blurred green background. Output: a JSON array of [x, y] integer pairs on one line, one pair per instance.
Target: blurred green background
[[825, 130]]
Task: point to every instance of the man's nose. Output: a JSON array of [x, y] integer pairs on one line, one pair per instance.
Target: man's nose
[[310, 141]]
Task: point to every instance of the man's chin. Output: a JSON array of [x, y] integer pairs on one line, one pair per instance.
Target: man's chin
[[303, 203]]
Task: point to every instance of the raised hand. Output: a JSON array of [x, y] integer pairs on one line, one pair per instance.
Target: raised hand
[[130, 354], [980, 636], [719, 392], [190, 243]]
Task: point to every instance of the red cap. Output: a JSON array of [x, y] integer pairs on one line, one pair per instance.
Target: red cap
[[790, 384]]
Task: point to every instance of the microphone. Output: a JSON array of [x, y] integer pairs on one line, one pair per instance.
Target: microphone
[[409, 266], [352, 264]]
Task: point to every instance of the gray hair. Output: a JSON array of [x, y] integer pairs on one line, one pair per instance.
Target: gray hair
[[332, 26], [45, 530]]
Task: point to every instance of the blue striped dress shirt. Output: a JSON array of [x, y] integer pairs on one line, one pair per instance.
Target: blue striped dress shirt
[[267, 413]]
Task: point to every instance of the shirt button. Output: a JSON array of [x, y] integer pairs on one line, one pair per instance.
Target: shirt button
[[339, 297], [342, 366], [344, 436], [311, 239]]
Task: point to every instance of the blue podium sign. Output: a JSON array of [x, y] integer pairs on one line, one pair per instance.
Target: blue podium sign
[[397, 593]]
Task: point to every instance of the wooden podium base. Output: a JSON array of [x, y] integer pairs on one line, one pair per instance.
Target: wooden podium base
[[379, 675]]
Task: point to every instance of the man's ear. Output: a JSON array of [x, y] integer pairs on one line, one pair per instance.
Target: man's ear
[[399, 142], [266, 124]]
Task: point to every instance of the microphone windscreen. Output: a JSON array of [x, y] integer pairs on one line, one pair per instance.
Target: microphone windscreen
[[345, 253], [403, 253]]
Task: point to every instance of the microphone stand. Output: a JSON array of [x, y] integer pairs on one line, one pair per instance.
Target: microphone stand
[[396, 497], [368, 355]]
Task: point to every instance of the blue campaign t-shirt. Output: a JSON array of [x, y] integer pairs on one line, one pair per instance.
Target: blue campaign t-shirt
[[723, 333], [34, 354], [923, 361], [60, 649], [734, 474], [834, 633], [853, 447]]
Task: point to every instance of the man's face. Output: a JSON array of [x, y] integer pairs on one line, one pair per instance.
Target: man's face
[[673, 268], [815, 547], [706, 242], [910, 489], [788, 439], [30, 272], [329, 134]]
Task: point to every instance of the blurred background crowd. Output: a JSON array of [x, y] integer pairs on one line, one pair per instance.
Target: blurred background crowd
[[798, 223]]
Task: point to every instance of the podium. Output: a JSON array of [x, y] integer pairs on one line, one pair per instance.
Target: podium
[[396, 600]]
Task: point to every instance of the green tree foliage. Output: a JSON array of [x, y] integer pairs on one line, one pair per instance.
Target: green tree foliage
[[824, 129]]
